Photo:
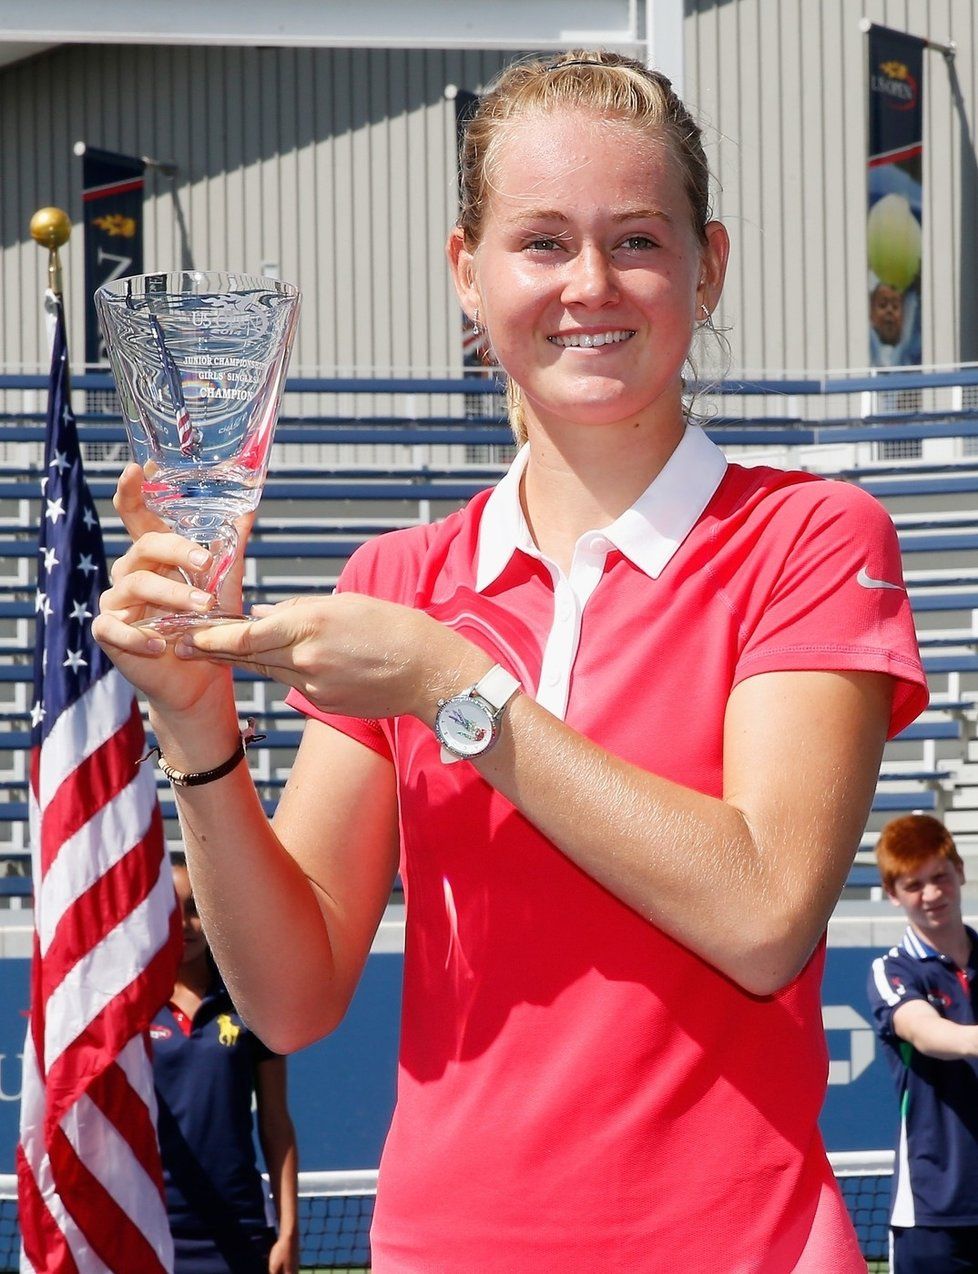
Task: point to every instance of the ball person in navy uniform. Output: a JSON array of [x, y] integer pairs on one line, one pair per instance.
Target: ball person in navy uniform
[[207, 1068], [924, 997]]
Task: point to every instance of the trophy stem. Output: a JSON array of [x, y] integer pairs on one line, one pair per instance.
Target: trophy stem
[[211, 529]]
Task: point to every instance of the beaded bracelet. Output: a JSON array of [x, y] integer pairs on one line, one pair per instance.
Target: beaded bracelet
[[198, 778]]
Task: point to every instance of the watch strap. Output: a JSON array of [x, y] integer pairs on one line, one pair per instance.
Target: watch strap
[[497, 687]]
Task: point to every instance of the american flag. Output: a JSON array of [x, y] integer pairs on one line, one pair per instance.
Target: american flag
[[107, 937]]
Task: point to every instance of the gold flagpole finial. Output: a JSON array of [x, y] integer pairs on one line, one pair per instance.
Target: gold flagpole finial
[[50, 227]]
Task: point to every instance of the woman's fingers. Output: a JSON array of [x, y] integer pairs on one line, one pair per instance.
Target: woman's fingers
[[142, 588], [113, 634], [351, 654], [238, 645], [249, 642], [158, 549], [155, 545], [131, 507], [267, 646]]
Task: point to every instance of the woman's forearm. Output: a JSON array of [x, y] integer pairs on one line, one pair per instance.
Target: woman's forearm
[[262, 917], [290, 910], [747, 881]]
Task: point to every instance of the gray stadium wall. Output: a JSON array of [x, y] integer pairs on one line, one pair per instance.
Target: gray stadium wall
[[337, 165]]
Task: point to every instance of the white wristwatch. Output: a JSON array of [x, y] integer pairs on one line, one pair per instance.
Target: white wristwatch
[[468, 724]]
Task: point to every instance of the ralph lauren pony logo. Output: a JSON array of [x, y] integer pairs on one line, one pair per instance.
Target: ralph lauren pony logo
[[227, 1031]]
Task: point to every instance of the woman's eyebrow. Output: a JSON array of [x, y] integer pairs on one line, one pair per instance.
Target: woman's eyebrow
[[534, 214], [552, 214], [642, 214]]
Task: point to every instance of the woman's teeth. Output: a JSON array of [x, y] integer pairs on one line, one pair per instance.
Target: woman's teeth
[[588, 340]]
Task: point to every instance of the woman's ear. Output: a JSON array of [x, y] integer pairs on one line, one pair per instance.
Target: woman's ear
[[713, 267], [461, 262]]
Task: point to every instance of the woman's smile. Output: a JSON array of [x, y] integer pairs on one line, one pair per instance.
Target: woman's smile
[[591, 340]]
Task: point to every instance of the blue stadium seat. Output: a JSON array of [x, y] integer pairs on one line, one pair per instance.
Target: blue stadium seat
[[905, 802]]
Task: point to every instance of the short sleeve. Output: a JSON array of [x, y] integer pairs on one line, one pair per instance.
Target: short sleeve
[[838, 600], [260, 1051], [892, 981], [356, 577]]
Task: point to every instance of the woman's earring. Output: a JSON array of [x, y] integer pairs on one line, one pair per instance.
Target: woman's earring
[[706, 316], [476, 329]]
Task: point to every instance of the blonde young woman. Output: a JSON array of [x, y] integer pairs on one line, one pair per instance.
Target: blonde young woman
[[669, 681]]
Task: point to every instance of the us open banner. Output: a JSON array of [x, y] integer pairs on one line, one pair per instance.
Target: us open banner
[[895, 196], [112, 192]]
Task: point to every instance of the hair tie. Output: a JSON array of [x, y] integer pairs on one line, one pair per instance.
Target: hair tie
[[559, 66]]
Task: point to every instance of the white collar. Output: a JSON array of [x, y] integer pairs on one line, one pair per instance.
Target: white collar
[[648, 533]]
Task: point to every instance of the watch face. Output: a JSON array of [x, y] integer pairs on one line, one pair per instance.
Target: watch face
[[465, 726]]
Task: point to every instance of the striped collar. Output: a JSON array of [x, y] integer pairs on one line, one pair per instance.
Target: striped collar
[[648, 534], [913, 944]]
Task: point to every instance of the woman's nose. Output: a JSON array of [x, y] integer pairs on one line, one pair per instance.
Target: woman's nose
[[591, 279]]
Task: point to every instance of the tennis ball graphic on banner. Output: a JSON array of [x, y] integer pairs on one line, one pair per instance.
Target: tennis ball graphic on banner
[[893, 240]]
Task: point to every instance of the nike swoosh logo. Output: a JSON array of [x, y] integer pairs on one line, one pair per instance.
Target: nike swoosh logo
[[867, 581]]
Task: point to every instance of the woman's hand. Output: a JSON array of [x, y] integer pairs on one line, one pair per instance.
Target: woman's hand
[[147, 581], [347, 653]]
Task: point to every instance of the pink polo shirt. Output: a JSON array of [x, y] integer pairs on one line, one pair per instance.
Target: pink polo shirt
[[576, 1090]]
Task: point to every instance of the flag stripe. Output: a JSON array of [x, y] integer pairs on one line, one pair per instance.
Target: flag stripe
[[111, 1093], [112, 188], [108, 837], [70, 1072], [105, 1148], [96, 780], [132, 1060], [92, 919], [105, 973], [46, 1228], [35, 1022], [116, 1240], [45, 1246], [76, 735], [102, 770]]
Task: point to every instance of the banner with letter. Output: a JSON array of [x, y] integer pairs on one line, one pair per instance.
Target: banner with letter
[[112, 192], [895, 196]]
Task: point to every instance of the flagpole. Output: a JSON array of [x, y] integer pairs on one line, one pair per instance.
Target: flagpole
[[947, 51], [51, 228]]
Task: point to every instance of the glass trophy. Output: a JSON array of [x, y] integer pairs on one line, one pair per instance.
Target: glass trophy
[[199, 359]]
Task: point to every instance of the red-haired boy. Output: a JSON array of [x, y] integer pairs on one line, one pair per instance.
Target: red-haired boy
[[924, 999]]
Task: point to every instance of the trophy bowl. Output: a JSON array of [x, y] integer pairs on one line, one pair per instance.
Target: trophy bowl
[[199, 359]]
